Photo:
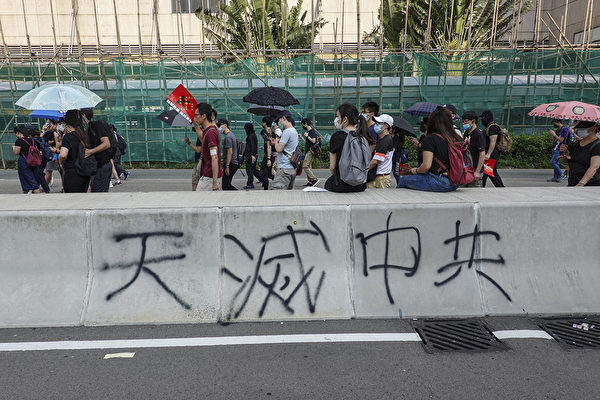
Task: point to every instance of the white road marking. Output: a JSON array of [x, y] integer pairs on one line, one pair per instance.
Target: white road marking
[[522, 334], [119, 355], [243, 340]]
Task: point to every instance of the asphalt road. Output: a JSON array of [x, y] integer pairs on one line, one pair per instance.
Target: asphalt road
[[164, 180], [529, 369]]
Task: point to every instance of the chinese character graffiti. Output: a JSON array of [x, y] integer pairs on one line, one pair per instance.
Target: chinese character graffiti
[[283, 275], [141, 265], [400, 236]]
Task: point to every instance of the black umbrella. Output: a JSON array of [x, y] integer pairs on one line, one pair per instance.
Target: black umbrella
[[265, 110], [270, 96], [174, 119], [422, 109], [404, 125]]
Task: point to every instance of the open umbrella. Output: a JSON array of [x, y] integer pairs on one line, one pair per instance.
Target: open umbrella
[[265, 110], [574, 110], [422, 109], [174, 119], [404, 125], [46, 114], [270, 96], [56, 96]]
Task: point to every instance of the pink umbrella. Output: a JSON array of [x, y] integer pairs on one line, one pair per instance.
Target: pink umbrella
[[574, 110]]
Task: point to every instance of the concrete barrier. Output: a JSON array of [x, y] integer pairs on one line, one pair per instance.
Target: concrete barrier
[[97, 259]]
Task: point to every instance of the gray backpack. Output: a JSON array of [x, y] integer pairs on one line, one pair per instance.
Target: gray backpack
[[355, 158]]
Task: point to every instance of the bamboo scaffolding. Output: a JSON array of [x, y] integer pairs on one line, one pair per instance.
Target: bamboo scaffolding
[[117, 28]]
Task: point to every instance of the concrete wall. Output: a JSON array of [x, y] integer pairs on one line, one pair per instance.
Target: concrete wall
[[249, 256]]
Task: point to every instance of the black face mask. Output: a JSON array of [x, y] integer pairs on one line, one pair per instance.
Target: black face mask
[[556, 126]]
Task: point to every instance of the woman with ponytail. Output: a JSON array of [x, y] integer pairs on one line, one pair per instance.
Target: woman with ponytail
[[74, 135], [347, 120], [431, 175]]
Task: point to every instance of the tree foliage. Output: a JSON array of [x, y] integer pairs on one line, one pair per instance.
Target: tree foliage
[[259, 25], [449, 27]]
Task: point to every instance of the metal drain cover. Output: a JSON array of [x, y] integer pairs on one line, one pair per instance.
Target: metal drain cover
[[574, 333], [457, 335]]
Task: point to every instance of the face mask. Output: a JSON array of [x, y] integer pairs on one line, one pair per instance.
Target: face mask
[[220, 130], [337, 124], [377, 128], [583, 133], [61, 128], [466, 127], [365, 116]]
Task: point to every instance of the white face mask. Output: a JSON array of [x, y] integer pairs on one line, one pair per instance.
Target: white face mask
[[337, 123], [583, 133]]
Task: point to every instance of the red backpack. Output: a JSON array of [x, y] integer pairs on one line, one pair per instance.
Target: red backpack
[[34, 156], [461, 170]]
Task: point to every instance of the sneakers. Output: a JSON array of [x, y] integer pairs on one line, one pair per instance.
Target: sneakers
[[248, 187], [125, 175], [565, 175], [312, 183], [51, 181], [553, 180], [117, 183]]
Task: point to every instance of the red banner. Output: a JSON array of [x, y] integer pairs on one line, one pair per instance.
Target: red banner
[[182, 101]]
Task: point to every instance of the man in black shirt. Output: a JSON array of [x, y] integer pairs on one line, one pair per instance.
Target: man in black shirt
[[492, 133], [98, 132], [310, 138], [250, 154], [476, 141]]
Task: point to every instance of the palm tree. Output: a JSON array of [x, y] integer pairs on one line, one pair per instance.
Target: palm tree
[[450, 27], [259, 25]]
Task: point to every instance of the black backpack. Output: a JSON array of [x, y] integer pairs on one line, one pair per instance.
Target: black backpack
[[85, 166], [122, 144]]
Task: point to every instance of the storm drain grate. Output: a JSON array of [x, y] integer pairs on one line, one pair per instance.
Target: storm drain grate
[[574, 333], [457, 335]]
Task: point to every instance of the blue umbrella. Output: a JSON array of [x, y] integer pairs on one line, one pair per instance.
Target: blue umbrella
[[56, 96], [47, 114], [422, 109]]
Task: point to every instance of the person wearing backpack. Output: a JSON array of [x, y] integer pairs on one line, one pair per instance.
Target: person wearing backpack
[[432, 174], [492, 135], [310, 140], [46, 154], [102, 146], [584, 161], [26, 170], [351, 129], [73, 143], [286, 142]]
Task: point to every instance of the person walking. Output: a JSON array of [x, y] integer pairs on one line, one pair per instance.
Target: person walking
[[492, 133], [212, 172], [230, 163], [310, 139], [250, 154], [584, 161], [27, 173], [560, 135], [69, 153], [285, 145], [476, 140], [269, 153]]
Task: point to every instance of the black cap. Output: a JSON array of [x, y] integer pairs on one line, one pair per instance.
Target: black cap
[[73, 118], [286, 114], [222, 121], [584, 124], [451, 108]]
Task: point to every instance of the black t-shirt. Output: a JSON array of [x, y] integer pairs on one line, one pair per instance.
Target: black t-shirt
[[97, 130], [71, 141], [24, 145], [307, 143], [492, 130], [335, 183], [476, 144], [49, 137], [398, 141], [198, 156], [439, 147], [580, 162]]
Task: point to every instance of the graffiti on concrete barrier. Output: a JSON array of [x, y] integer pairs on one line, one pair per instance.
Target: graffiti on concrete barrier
[[458, 264], [141, 265], [281, 273], [401, 236]]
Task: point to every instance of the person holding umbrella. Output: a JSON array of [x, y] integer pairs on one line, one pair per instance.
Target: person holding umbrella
[[584, 154]]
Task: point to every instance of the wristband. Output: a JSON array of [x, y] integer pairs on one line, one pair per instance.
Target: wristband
[[227, 166]]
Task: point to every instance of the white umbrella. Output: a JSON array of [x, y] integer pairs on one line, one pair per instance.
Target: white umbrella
[[56, 96]]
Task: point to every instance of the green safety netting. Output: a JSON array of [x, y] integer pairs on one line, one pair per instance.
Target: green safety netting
[[508, 82]]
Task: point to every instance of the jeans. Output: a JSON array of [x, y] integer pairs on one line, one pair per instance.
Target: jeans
[[554, 163], [427, 182]]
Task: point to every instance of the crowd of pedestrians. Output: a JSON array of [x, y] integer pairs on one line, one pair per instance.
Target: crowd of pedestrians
[[85, 153]]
